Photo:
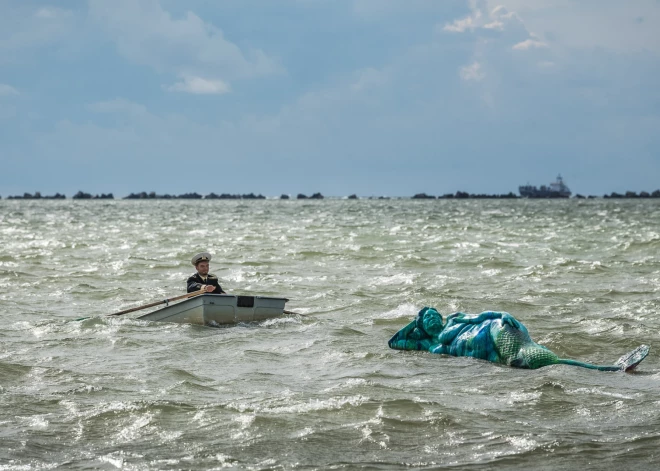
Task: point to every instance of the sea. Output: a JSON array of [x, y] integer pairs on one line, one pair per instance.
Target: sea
[[320, 389]]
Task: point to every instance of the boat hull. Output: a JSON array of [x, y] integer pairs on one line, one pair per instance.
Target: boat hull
[[219, 309]]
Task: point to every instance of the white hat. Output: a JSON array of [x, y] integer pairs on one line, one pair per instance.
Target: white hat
[[201, 257]]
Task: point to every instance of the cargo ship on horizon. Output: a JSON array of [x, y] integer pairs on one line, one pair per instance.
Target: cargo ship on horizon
[[556, 189]]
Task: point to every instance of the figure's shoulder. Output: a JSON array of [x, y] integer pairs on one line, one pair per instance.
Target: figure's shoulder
[[211, 276], [193, 276]]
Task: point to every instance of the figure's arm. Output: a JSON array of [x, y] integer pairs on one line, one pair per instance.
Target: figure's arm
[[454, 316], [410, 338], [215, 283], [210, 286], [487, 315], [193, 285]]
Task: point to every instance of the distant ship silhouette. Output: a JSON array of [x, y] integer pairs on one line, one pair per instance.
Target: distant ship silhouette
[[556, 190]]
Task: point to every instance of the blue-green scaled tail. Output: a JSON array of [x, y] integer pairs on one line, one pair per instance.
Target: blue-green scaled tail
[[494, 336]]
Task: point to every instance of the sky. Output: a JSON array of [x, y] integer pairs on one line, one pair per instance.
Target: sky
[[372, 97]]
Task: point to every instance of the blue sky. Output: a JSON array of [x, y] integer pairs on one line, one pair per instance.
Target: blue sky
[[374, 97]]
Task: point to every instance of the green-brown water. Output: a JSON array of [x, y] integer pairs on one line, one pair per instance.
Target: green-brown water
[[323, 391]]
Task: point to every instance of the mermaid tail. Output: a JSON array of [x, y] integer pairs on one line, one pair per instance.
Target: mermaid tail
[[536, 356], [626, 363], [516, 348]]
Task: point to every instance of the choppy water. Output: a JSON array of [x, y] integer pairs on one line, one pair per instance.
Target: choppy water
[[323, 391]]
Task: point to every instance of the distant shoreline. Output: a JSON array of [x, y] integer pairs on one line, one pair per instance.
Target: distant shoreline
[[317, 196]]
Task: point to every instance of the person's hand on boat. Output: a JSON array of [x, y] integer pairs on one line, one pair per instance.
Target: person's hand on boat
[[209, 288]]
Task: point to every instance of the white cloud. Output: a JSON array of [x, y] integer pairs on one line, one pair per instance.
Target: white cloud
[[499, 19], [529, 44], [7, 90], [495, 25], [468, 23], [481, 18], [472, 72], [199, 86], [147, 34], [501, 12], [606, 24], [496, 31]]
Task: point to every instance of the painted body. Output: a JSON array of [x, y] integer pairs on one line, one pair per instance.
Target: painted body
[[494, 336]]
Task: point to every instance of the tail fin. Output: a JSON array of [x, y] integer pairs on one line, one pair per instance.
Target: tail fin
[[630, 360], [626, 363]]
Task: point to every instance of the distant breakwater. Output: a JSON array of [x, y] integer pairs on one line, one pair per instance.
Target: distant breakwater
[[81, 195]]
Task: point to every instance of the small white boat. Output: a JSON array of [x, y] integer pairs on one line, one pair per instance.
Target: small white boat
[[218, 309]]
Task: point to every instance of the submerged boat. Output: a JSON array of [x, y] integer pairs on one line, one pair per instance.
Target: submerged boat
[[219, 309], [556, 190]]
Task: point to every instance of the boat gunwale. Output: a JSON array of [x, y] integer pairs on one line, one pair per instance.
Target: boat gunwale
[[233, 296]]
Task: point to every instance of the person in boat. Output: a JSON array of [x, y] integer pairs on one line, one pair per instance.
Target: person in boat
[[494, 336], [202, 279]]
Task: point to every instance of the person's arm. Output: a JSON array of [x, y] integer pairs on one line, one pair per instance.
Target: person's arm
[[410, 338], [488, 315], [193, 285], [213, 281], [456, 315]]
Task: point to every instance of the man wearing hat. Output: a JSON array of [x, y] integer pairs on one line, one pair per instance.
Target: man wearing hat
[[203, 279]]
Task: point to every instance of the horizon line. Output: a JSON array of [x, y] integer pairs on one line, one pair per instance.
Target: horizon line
[[80, 195]]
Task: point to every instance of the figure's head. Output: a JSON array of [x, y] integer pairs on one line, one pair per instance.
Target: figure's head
[[430, 321], [201, 262]]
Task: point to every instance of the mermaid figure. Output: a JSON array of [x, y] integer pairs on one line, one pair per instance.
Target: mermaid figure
[[494, 336]]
